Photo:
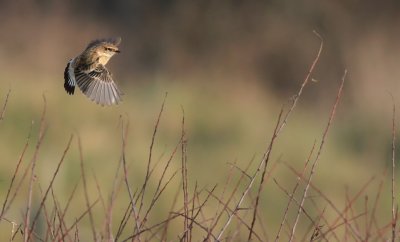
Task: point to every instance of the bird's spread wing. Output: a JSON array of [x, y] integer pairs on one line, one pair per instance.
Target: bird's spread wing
[[69, 78], [98, 86]]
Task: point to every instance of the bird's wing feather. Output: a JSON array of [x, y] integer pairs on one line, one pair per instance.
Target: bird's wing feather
[[98, 85], [69, 78]]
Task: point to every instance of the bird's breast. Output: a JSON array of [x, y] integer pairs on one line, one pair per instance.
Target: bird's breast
[[103, 60]]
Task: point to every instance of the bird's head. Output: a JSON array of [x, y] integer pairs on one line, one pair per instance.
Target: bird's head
[[104, 49], [107, 49]]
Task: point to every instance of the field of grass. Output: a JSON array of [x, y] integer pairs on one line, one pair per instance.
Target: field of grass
[[187, 161]]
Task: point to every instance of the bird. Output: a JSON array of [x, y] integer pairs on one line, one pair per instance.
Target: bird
[[88, 72]]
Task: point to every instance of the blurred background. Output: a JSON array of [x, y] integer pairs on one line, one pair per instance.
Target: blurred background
[[229, 64]]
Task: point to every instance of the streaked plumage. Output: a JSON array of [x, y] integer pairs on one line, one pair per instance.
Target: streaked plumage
[[88, 72]]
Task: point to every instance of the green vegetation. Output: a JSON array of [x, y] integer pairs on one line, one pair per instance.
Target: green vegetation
[[200, 171]]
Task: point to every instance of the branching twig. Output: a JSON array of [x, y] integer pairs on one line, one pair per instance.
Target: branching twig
[[292, 194], [325, 134], [42, 132], [78, 219], [3, 210], [86, 191], [147, 177], [49, 187], [132, 203], [278, 129]]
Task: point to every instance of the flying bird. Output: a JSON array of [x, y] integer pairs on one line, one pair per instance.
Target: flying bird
[[88, 72]]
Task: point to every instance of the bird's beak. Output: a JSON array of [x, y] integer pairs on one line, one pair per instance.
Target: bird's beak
[[117, 51]]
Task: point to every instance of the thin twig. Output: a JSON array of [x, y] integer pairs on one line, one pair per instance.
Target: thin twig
[[260, 187], [116, 184], [160, 189], [376, 202], [184, 182], [329, 201], [345, 223], [318, 229], [147, 177], [86, 191], [253, 178], [201, 206], [49, 187], [325, 134], [42, 132], [64, 212], [47, 217], [321, 212], [133, 209], [78, 219], [174, 215], [298, 204], [276, 132], [226, 204], [393, 172], [164, 235], [192, 211], [16, 172], [292, 194], [229, 210], [4, 106]]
